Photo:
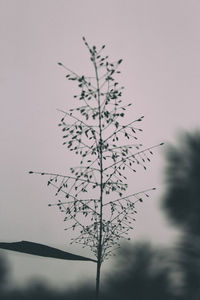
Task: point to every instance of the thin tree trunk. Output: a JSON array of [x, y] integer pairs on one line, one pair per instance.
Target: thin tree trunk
[[98, 279], [99, 256]]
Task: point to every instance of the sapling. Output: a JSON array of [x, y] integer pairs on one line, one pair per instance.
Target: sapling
[[93, 196]]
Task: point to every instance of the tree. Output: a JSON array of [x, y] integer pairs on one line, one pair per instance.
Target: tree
[[142, 272], [182, 204], [4, 272], [104, 144], [181, 199]]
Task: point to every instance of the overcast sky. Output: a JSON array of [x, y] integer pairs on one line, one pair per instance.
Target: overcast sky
[[159, 41]]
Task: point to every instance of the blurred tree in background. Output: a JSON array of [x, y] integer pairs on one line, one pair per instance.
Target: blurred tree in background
[[182, 203], [182, 198], [189, 263], [4, 272], [142, 272]]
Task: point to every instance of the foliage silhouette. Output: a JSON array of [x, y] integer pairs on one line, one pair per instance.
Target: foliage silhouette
[[4, 271], [189, 263], [141, 272], [182, 203], [181, 199], [93, 197]]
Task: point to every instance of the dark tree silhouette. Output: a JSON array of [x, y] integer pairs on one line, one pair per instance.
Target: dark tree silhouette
[[4, 268], [142, 272], [182, 197], [182, 203], [189, 262]]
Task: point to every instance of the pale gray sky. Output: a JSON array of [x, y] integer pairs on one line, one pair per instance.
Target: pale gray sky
[[159, 41]]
